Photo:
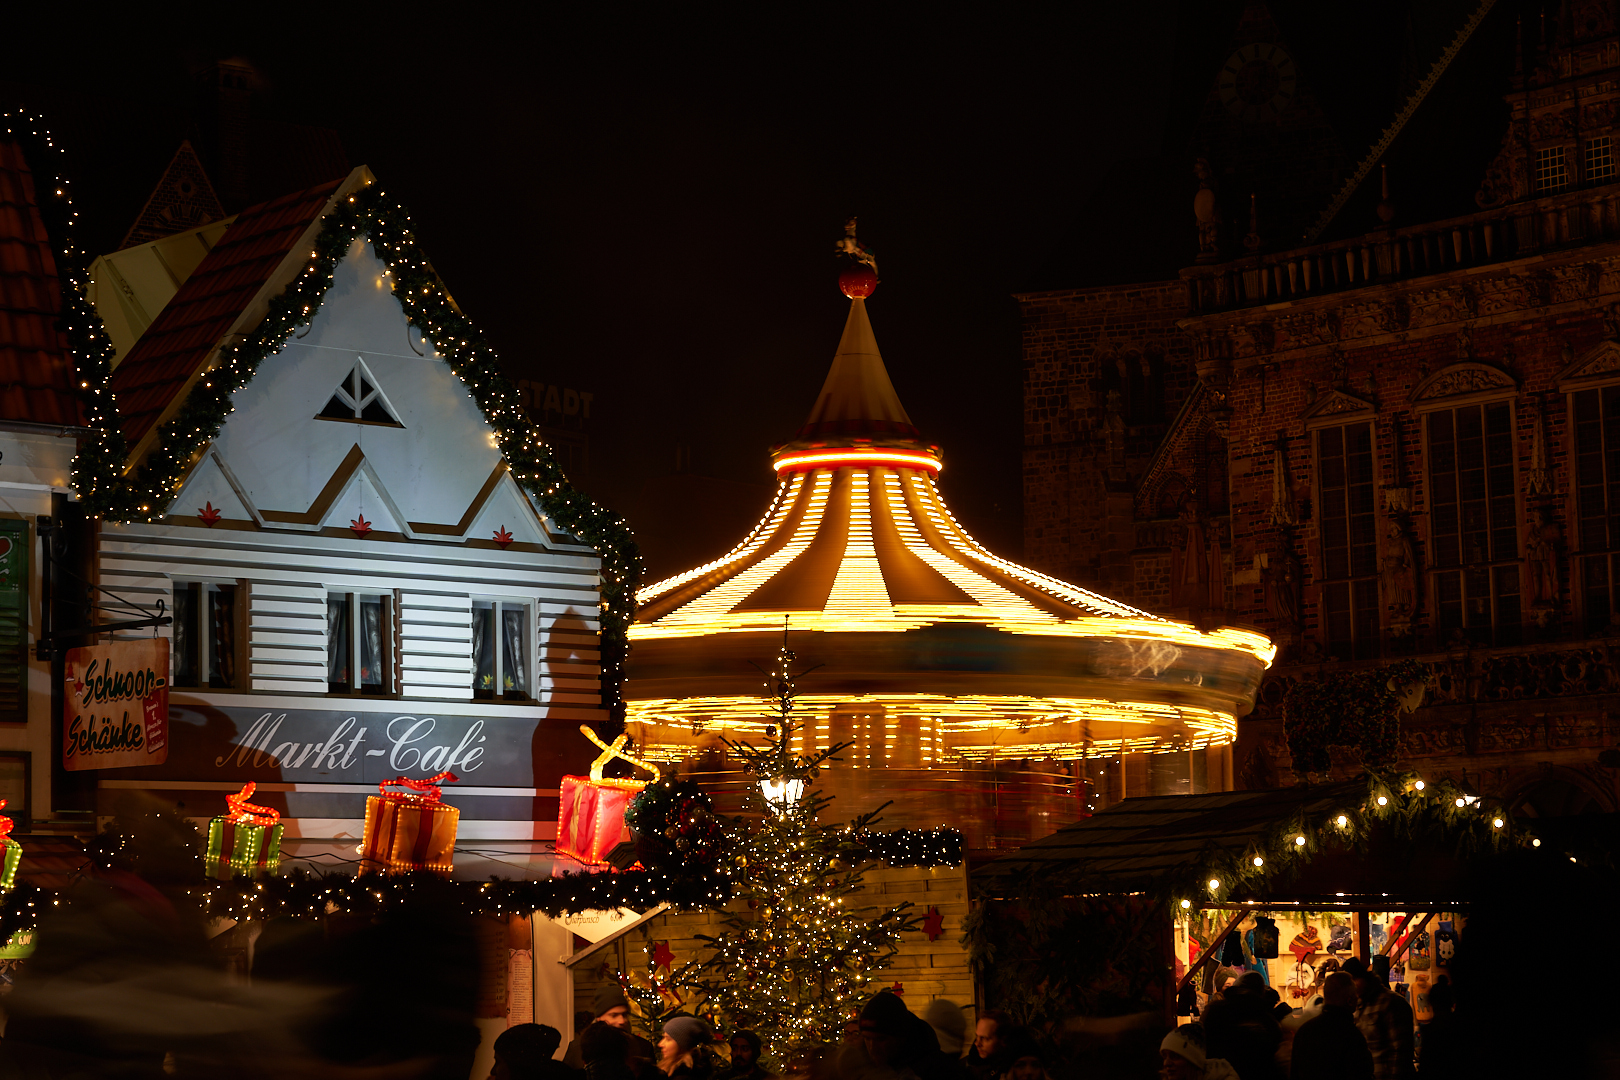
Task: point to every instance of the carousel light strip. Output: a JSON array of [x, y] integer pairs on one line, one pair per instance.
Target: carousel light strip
[[860, 456], [859, 589], [722, 598], [781, 507], [952, 716], [928, 494], [1004, 602]]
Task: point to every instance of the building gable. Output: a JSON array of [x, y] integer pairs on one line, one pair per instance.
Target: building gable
[[297, 464]]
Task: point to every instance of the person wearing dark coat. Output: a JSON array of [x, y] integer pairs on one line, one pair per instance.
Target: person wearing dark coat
[[1242, 1030], [613, 1009], [1329, 1046]]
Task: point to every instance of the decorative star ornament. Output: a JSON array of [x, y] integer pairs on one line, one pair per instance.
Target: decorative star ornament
[[663, 957], [502, 537], [934, 924], [898, 989], [360, 526], [208, 515]]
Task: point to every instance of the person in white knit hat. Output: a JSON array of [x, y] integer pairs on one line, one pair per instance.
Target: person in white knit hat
[[1181, 1057]]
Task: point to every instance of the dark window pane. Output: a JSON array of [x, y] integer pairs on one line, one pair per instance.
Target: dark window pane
[[483, 620], [222, 639], [374, 635], [185, 641], [339, 646]]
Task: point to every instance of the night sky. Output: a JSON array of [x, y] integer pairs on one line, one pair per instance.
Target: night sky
[[643, 204]]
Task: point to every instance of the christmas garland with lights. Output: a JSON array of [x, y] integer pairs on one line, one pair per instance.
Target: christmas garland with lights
[[102, 451], [367, 214]]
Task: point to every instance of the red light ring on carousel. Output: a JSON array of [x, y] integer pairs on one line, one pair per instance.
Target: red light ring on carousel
[[857, 456]]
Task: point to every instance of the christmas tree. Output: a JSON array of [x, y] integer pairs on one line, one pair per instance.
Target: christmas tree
[[797, 949]]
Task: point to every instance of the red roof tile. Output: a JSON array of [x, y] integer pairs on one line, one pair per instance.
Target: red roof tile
[[36, 365], [180, 339]]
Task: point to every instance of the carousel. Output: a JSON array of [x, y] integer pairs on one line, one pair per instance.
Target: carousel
[[972, 691]]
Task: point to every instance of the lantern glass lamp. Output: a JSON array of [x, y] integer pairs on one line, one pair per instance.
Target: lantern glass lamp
[[781, 793]]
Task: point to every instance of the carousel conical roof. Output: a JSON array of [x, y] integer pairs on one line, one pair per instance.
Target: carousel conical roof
[[858, 537]]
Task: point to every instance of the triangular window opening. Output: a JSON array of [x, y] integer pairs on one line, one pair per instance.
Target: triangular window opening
[[358, 400]]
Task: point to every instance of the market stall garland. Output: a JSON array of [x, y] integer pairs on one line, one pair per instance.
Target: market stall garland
[[370, 214], [298, 893]]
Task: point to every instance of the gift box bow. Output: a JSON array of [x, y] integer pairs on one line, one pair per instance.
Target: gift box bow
[[242, 812], [420, 792]]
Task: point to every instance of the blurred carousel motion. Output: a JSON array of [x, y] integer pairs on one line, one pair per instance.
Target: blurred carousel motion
[[974, 692]]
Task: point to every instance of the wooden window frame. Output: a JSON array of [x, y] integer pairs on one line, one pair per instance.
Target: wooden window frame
[[390, 643], [531, 647], [204, 630]]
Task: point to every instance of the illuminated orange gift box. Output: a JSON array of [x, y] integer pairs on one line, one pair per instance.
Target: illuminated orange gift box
[[411, 829], [590, 813]]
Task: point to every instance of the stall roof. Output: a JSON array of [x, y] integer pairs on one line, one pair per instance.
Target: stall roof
[[1132, 845]]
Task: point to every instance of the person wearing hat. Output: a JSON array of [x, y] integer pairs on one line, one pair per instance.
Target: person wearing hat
[[1024, 1051], [525, 1052], [1182, 1057], [612, 1008], [1329, 1046], [683, 1048], [1385, 1020], [1241, 1029]]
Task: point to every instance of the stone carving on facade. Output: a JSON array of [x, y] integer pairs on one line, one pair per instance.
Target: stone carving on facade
[[1512, 293], [1541, 558], [1553, 125], [1306, 329], [1431, 307], [1462, 378], [1282, 488], [1600, 361], [1283, 577], [1398, 570], [1599, 114], [1198, 579], [1465, 344], [1538, 479], [1368, 320]]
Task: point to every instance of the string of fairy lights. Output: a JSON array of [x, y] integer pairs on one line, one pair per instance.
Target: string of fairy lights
[[101, 450]]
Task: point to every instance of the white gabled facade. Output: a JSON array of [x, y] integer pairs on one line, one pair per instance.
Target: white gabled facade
[[284, 589]]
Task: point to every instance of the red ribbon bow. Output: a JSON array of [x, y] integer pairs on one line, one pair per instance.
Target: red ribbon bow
[[242, 812], [425, 790], [5, 822]]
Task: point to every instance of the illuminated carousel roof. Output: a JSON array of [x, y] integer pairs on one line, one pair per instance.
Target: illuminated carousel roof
[[909, 615]]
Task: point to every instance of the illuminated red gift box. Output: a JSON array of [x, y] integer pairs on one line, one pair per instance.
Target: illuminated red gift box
[[590, 812], [411, 829]]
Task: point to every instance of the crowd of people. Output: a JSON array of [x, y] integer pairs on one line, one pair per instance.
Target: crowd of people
[[1357, 1030]]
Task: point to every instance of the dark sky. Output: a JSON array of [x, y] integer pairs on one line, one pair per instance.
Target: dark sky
[[643, 204]]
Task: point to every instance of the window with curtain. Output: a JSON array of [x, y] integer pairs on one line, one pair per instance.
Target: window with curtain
[[1597, 502], [360, 643], [1349, 532], [501, 653], [1473, 524], [204, 635]]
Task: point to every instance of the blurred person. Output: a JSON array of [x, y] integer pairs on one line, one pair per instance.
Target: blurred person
[[605, 1049], [1385, 1020], [611, 1007], [1330, 1046], [1442, 1056], [949, 1024], [1024, 1051], [988, 1059], [895, 1044], [1241, 1029], [683, 1048], [528, 1052], [745, 1049], [1182, 1056]]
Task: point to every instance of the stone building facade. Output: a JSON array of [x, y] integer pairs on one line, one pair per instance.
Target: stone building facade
[[1396, 443]]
